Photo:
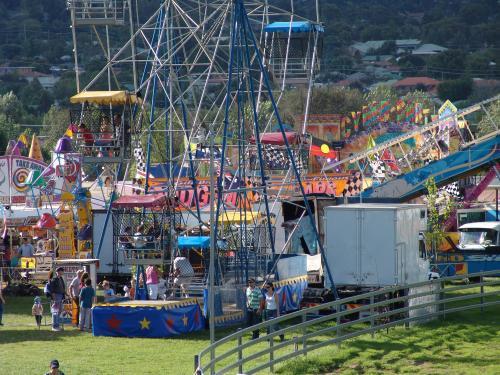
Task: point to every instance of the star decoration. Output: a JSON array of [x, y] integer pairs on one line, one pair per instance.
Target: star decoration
[[170, 323], [114, 322], [294, 297], [185, 320], [145, 323]]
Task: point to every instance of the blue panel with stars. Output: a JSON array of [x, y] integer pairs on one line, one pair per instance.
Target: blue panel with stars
[[146, 321]]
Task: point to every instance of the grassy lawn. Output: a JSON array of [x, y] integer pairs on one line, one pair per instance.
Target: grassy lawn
[[465, 343]]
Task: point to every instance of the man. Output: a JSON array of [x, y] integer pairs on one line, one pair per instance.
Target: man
[[26, 249], [183, 275], [152, 282], [254, 309], [54, 368], [58, 291], [74, 293]]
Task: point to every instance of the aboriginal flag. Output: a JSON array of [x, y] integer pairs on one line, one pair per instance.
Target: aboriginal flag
[[322, 148]]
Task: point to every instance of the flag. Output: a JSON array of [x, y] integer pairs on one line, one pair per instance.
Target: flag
[[378, 168], [389, 159], [355, 120], [370, 145], [322, 148], [274, 158], [23, 139]]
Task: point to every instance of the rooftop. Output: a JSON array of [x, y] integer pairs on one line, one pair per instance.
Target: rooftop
[[415, 81]]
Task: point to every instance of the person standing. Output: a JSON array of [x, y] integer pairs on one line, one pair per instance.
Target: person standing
[[254, 298], [152, 281], [74, 294], [26, 249], [272, 308], [58, 291], [87, 298], [183, 275], [2, 302], [37, 311]]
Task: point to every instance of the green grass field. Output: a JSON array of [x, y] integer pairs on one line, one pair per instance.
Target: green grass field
[[465, 343]]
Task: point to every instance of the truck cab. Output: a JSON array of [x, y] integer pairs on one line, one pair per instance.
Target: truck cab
[[480, 237]]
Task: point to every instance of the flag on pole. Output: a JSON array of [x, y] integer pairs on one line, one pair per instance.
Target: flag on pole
[[389, 159], [23, 139]]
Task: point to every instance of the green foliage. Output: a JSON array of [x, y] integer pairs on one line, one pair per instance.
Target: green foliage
[[382, 92], [457, 89], [324, 100], [56, 121], [490, 123], [438, 211]]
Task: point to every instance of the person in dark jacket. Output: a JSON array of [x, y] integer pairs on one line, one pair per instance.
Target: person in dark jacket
[[58, 291]]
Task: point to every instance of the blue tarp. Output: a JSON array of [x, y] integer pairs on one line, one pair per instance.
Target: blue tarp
[[163, 170], [297, 27], [151, 322], [200, 242]]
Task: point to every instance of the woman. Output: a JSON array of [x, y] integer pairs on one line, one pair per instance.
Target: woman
[[272, 308], [84, 277]]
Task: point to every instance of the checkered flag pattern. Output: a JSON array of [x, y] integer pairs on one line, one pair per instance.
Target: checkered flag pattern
[[274, 158], [140, 159], [353, 185], [453, 190], [378, 168]]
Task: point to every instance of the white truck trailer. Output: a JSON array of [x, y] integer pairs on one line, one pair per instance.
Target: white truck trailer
[[370, 246]]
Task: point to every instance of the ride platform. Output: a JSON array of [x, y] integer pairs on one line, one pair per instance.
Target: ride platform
[[151, 319]]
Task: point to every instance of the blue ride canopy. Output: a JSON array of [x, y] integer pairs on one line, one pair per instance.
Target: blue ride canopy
[[297, 27], [200, 242]]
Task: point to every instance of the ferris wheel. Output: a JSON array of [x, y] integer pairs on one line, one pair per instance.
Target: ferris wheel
[[208, 77]]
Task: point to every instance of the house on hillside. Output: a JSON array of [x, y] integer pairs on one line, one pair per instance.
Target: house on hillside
[[407, 45], [428, 49], [5, 69], [416, 83], [360, 49]]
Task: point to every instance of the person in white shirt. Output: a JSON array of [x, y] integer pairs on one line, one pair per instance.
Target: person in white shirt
[[183, 275]]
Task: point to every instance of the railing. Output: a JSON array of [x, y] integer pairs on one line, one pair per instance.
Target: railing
[[351, 317], [98, 11]]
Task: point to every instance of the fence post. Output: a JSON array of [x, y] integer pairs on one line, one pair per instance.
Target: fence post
[[271, 353], [295, 344], [196, 362], [240, 353], [304, 332], [482, 292], [372, 317], [339, 331], [443, 299]]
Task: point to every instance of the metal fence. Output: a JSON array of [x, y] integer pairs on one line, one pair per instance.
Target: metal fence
[[307, 330]]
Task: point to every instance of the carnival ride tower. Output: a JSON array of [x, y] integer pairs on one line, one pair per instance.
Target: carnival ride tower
[[213, 74]]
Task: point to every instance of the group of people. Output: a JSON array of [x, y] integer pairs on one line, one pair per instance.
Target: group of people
[[262, 304], [80, 291], [104, 141]]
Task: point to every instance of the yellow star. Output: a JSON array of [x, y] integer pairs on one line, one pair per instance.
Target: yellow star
[[144, 323], [294, 297], [185, 320]]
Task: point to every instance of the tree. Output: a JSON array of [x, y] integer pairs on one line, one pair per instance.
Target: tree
[[456, 89], [438, 211], [11, 112], [380, 93], [490, 123], [56, 121]]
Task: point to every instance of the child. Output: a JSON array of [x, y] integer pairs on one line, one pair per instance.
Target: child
[[109, 294], [37, 311], [87, 297], [2, 302]]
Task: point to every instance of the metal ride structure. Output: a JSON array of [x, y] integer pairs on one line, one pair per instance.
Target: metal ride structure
[[209, 70], [446, 149]]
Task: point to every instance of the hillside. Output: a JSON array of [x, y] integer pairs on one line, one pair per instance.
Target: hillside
[[36, 36]]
